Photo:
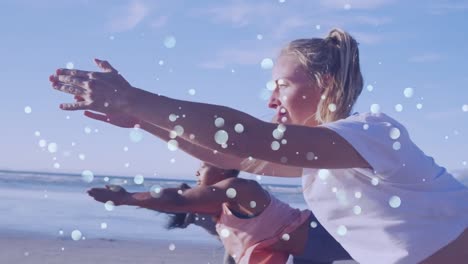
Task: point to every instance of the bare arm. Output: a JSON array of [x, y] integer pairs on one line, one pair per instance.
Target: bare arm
[[256, 140], [201, 199], [109, 92], [219, 159]]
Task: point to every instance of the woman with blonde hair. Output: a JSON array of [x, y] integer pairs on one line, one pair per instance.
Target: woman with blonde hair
[[367, 183]]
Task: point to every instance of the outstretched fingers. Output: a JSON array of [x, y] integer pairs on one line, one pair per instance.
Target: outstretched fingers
[[105, 66], [75, 106], [68, 88], [97, 116]]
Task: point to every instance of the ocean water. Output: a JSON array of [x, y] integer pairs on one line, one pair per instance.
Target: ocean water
[[55, 205]]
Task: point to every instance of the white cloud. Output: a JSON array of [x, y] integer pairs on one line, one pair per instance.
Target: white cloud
[[444, 8], [233, 56], [159, 22], [129, 17], [355, 4], [288, 24], [427, 57], [367, 38], [237, 13]]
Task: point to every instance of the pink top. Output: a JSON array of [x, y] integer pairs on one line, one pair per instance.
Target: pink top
[[247, 240]]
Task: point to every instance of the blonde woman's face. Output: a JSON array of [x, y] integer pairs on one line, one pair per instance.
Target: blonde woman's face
[[295, 97]]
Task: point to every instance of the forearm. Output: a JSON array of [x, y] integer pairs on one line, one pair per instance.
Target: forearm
[[223, 160], [168, 201], [197, 120], [218, 159]]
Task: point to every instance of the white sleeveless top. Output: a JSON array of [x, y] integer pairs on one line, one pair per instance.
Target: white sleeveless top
[[402, 212]]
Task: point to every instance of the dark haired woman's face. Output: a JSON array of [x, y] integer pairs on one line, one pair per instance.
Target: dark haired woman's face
[[295, 97], [208, 175]]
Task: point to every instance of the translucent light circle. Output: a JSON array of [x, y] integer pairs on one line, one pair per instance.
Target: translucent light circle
[[87, 176], [365, 126], [139, 179], [37, 133], [285, 237], [170, 42], [465, 108], [375, 108], [155, 191], [27, 109], [284, 141], [396, 145], [323, 174], [408, 92], [275, 145], [259, 36], [239, 128], [332, 107], [61, 232], [310, 156], [370, 88], [135, 135], [106, 179], [70, 65], [52, 147], [375, 181], [270, 85], [173, 145], [173, 117], [357, 209], [192, 91], [284, 160], [267, 63], [219, 122], [57, 165], [394, 201], [87, 130], [76, 235], [161, 62], [253, 204], [398, 108], [358, 195], [225, 233], [231, 193], [281, 128], [347, 6], [221, 137], [172, 247], [277, 134], [109, 205], [342, 230], [317, 27], [313, 224], [103, 225], [82, 156], [394, 133], [419, 106]]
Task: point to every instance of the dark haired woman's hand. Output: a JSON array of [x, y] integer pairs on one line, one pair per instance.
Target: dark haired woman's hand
[[113, 193]]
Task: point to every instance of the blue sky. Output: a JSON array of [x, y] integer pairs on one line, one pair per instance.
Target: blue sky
[[219, 46]]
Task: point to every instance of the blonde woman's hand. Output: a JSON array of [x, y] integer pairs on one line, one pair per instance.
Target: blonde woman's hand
[[104, 91]]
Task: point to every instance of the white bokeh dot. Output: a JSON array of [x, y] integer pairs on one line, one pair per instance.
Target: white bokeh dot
[[408, 92], [275, 145], [87, 176], [27, 109], [398, 107], [138, 179], [267, 64], [342, 230], [231, 193], [394, 133], [394, 201], [76, 235], [170, 42], [221, 137]]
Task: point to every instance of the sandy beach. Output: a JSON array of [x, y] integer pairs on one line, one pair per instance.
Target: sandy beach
[[33, 250]]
